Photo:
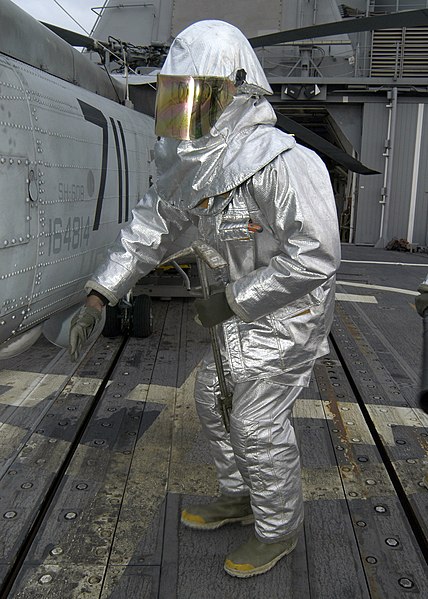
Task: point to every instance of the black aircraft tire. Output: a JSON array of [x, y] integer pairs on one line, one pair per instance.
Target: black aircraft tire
[[113, 323], [142, 317]]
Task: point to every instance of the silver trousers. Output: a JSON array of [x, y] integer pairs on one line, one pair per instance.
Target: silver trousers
[[260, 456]]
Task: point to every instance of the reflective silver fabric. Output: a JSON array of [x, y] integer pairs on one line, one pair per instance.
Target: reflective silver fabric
[[270, 211], [242, 142], [260, 456], [215, 49], [281, 280]]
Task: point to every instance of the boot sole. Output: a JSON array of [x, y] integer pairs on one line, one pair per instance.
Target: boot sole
[[244, 521], [260, 569]]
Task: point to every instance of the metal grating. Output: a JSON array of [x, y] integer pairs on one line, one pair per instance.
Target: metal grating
[[400, 53]]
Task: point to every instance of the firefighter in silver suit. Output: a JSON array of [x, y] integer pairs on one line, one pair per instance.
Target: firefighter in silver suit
[[266, 204]]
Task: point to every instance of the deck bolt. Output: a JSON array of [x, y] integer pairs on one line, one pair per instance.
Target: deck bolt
[[45, 579], [371, 560], [26, 485], [12, 472], [361, 523], [353, 494], [339, 448], [406, 583], [363, 458], [106, 424], [410, 461], [9, 515], [117, 395], [81, 486], [380, 509], [400, 442], [94, 579], [392, 542], [56, 551], [370, 481], [70, 515]]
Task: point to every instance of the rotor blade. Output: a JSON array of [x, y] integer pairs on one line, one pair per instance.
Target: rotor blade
[[73, 38], [322, 145], [410, 18]]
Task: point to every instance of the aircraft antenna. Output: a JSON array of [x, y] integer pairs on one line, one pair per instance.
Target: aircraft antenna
[[119, 58], [71, 17]]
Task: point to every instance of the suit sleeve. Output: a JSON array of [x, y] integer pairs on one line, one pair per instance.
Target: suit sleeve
[[140, 246]]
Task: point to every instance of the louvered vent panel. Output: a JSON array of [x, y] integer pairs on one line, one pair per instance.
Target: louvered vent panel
[[400, 53]]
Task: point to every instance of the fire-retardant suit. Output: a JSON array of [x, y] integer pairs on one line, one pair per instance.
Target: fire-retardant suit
[[266, 204]]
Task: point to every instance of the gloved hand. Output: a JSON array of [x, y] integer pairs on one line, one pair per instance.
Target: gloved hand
[[421, 301], [82, 325], [213, 310]]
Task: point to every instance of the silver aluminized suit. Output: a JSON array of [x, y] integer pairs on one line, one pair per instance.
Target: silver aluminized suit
[[280, 279]]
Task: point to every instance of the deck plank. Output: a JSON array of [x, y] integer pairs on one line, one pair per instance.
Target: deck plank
[[33, 471], [388, 548], [334, 567], [81, 522], [402, 428]]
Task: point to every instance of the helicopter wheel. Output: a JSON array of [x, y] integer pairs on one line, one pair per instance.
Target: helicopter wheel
[[142, 316], [113, 323]]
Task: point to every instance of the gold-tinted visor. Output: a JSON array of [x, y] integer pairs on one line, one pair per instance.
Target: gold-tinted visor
[[188, 107]]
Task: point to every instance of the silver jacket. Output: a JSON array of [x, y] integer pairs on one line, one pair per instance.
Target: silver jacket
[[281, 280]]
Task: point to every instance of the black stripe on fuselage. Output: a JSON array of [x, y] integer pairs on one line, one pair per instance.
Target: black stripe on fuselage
[[119, 167], [95, 116], [125, 159]]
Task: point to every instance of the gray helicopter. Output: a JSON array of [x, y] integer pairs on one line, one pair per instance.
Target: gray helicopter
[[74, 161], [76, 152]]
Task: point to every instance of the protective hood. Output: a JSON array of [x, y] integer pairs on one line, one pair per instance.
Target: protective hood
[[244, 138], [215, 49]]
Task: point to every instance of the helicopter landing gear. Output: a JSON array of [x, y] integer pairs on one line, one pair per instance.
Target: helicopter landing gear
[[133, 315], [113, 326], [142, 316]]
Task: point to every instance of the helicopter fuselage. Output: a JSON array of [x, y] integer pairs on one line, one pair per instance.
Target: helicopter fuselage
[[72, 166]]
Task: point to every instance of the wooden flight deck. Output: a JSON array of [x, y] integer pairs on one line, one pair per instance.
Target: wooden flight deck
[[97, 459]]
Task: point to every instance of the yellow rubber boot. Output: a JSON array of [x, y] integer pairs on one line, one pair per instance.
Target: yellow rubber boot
[[255, 557], [227, 509]]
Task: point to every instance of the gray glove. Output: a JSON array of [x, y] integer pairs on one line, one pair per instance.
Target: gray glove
[[82, 325], [421, 301], [213, 310]]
